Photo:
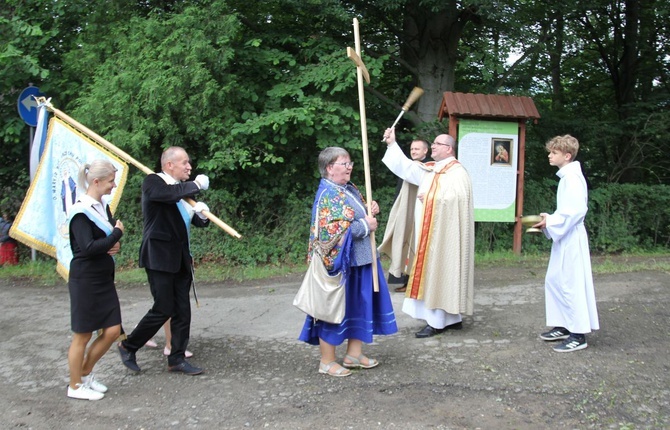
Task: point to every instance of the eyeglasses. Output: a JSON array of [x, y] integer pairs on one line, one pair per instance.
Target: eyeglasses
[[440, 143], [348, 164]]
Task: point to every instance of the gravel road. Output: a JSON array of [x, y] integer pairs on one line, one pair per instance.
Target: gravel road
[[494, 374]]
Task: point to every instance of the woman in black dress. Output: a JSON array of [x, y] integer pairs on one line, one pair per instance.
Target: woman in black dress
[[94, 304]]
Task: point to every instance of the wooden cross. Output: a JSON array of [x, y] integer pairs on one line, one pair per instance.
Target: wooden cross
[[362, 72]]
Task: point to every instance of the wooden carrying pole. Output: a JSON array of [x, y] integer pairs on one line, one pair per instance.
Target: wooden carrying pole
[[126, 157], [360, 71]]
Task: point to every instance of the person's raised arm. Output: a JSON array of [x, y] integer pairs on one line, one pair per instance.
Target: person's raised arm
[[398, 163]]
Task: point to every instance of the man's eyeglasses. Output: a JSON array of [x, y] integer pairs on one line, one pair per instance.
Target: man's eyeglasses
[[440, 143], [348, 164]]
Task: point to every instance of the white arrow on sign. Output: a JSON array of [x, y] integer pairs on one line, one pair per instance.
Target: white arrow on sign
[[29, 102]]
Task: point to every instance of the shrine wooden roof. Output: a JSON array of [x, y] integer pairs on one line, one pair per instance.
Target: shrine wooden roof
[[487, 106]]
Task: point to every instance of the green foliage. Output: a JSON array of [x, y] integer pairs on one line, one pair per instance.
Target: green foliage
[[270, 234], [20, 65], [629, 217], [165, 84], [621, 217], [254, 90], [494, 237], [20, 38], [41, 272], [129, 212]]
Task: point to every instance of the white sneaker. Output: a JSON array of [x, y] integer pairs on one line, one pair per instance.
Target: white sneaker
[[90, 382], [83, 393], [187, 353]]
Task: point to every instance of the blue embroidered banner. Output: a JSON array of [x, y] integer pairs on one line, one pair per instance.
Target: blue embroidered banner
[[42, 220]]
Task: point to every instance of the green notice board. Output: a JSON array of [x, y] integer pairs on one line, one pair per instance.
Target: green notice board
[[489, 151]]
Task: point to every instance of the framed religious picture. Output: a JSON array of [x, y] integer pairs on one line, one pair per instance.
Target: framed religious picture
[[501, 152]]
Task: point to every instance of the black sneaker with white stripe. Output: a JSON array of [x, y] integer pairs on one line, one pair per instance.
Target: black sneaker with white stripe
[[573, 343], [556, 333]]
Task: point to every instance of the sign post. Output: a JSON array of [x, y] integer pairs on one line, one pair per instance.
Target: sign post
[[27, 107]]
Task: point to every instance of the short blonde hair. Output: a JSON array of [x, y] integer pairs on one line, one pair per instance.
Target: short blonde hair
[[566, 144]]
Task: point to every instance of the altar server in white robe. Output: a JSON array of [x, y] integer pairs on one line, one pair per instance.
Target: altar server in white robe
[[441, 282], [569, 294]]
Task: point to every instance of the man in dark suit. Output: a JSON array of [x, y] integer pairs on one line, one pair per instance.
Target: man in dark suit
[[166, 257]]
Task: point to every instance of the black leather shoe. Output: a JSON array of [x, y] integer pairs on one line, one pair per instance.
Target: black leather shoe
[[397, 280], [429, 331], [128, 358], [456, 326], [186, 368]]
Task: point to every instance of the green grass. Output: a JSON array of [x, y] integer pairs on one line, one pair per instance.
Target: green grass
[[632, 263], [509, 258], [43, 271]]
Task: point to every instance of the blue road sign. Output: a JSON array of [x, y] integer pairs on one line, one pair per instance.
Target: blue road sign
[[28, 106]]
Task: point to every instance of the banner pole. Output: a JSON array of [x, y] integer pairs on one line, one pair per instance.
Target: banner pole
[[126, 157]]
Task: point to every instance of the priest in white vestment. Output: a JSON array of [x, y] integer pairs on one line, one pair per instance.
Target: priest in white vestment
[[441, 283], [569, 293], [398, 241]]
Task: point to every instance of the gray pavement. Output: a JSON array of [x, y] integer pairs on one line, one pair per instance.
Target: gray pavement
[[495, 373]]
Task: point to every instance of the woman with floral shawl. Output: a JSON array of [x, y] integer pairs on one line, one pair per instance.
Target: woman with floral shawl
[[341, 228]]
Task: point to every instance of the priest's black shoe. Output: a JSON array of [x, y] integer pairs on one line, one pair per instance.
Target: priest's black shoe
[[128, 358], [186, 368], [455, 326], [429, 331]]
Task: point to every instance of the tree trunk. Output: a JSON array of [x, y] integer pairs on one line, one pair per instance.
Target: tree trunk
[[435, 74], [629, 56], [431, 47], [555, 56]]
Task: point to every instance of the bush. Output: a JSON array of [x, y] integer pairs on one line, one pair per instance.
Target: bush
[[275, 227], [621, 217], [629, 217]]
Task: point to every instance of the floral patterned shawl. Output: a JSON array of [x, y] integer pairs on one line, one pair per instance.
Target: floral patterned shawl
[[335, 216]]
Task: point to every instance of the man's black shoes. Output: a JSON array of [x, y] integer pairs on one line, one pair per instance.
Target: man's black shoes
[[128, 358], [186, 368], [429, 331]]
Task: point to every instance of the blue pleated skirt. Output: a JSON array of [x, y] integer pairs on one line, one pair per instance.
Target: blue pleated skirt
[[367, 313]]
